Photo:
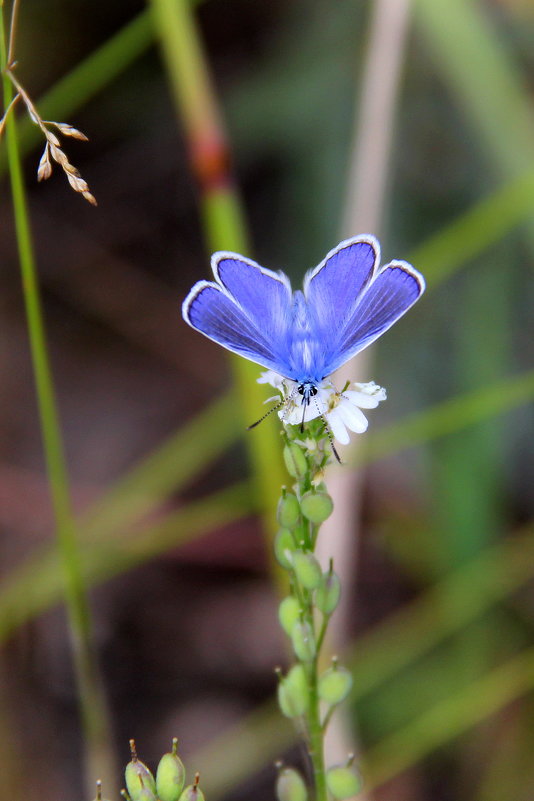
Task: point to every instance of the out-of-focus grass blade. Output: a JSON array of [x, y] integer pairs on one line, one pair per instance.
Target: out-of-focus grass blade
[[480, 72], [447, 417], [165, 471], [450, 605], [37, 584], [485, 223], [376, 657], [448, 719]]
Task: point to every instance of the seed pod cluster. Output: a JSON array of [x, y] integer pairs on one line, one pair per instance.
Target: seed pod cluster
[[168, 785]]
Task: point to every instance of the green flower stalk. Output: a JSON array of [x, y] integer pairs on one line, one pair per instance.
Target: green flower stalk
[[303, 694]]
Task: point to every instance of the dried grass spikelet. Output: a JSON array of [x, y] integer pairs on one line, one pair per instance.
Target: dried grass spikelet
[[53, 152]]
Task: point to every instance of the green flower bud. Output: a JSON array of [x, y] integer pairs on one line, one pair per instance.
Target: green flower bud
[[288, 510], [296, 463], [343, 782], [289, 614], [334, 685], [192, 792], [170, 775], [140, 782], [303, 641], [284, 546], [290, 786], [328, 593], [316, 506], [294, 693], [307, 569]]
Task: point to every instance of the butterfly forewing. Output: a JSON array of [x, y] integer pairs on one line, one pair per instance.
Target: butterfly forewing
[[264, 296], [333, 288], [396, 287], [246, 311]]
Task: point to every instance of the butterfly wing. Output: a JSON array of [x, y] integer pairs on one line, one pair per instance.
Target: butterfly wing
[[389, 295], [246, 309], [333, 288]]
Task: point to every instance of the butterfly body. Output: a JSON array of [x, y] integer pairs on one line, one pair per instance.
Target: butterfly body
[[346, 303]]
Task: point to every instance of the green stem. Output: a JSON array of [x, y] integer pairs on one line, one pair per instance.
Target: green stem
[[316, 733], [316, 730], [90, 697]]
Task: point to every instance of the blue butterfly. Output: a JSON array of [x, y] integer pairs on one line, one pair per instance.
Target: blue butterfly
[[347, 302]]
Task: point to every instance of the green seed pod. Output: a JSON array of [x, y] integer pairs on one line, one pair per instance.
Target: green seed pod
[[192, 792], [343, 782], [170, 775], [307, 569], [288, 510], [294, 693], [296, 463], [284, 546], [316, 506], [303, 641], [147, 795], [140, 782], [289, 614], [328, 593], [290, 786], [334, 685]]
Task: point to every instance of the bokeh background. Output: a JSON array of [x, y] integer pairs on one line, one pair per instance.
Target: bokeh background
[[182, 588]]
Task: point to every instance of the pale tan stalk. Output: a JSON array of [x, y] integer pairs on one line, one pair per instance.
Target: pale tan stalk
[[364, 213]]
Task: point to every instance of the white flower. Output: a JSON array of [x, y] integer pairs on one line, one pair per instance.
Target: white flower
[[342, 410]]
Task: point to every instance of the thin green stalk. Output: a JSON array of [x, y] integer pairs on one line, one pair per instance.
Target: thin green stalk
[[316, 737], [306, 694], [92, 706], [222, 214]]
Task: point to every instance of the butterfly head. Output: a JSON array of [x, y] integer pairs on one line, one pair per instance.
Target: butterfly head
[[308, 390]]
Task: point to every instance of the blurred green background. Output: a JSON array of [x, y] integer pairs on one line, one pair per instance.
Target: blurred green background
[[172, 544]]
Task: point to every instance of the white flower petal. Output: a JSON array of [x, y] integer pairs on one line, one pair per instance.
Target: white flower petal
[[272, 378], [361, 399], [353, 417], [337, 427]]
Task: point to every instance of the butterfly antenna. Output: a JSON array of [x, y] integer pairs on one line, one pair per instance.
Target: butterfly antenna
[[272, 409], [328, 432], [304, 404]]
